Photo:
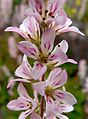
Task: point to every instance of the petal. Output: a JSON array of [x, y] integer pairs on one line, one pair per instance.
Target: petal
[[28, 49], [60, 116], [53, 6], [52, 117], [11, 82], [17, 30], [23, 115], [32, 27], [35, 116], [65, 97], [38, 70], [59, 80], [58, 20], [17, 105], [23, 93], [30, 12], [66, 61], [66, 108], [71, 61], [74, 29], [61, 19], [58, 56], [68, 22], [64, 46], [70, 29], [40, 87], [47, 41], [52, 108], [24, 70], [53, 73], [36, 5]]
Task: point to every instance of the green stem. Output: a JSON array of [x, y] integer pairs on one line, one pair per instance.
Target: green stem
[[42, 103]]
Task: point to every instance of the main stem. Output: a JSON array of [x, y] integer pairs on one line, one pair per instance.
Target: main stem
[[42, 103]]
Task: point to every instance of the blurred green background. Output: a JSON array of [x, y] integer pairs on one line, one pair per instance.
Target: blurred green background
[[12, 13]]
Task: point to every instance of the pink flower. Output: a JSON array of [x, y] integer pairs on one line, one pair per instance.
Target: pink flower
[[50, 87], [47, 11], [23, 103], [45, 54], [51, 14], [29, 29], [55, 109], [26, 73]]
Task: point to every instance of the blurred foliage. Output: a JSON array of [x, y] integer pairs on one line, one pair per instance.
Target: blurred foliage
[[17, 1]]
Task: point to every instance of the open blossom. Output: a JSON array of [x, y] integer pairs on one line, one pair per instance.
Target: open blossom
[[55, 109], [45, 54], [51, 14], [23, 103], [45, 19], [26, 73], [45, 10], [29, 29], [50, 87]]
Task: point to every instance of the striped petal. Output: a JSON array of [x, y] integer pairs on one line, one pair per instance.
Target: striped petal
[[24, 70], [64, 46], [38, 70], [32, 27], [28, 49], [65, 97], [23, 93], [17, 30], [47, 41], [17, 105], [59, 80], [57, 56]]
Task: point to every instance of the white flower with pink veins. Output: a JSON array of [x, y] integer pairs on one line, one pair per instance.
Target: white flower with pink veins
[[55, 109], [26, 73], [25, 104], [45, 19], [50, 13], [51, 87], [45, 53]]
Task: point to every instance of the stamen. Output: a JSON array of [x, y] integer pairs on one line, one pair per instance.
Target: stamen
[[29, 105], [44, 18], [46, 11]]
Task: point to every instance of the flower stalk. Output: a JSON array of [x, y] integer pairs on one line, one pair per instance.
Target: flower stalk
[[42, 102], [48, 17]]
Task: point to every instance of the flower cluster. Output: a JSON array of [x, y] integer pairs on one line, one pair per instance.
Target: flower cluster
[[44, 20]]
